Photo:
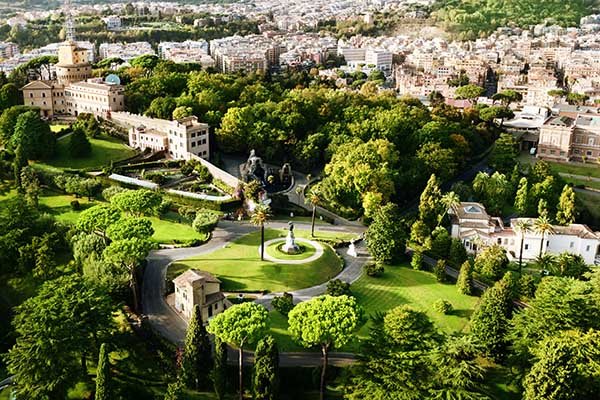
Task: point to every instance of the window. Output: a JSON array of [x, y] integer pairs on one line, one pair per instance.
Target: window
[[543, 151], [499, 240], [526, 247], [193, 144], [193, 134], [587, 248], [505, 241], [571, 245], [30, 94], [588, 153]]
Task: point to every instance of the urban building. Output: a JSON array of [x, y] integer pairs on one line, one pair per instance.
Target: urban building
[[194, 287], [113, 22], [567, 139], [249, 53], [125, 51], [476, 229]]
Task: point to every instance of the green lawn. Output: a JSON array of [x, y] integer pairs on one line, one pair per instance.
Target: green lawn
[[589, 169], [419, 289], [167, 230], [583, 182], [104, 150], [239, 267], [58, 127]]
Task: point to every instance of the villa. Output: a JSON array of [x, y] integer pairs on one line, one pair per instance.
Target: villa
[[475, 228], [202, 288]]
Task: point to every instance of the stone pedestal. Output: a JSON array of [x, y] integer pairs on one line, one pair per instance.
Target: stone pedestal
[[290, 245]]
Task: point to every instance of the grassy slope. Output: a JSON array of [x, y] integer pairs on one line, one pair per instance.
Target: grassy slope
[[104, 150], [239, 267], [166, 230]]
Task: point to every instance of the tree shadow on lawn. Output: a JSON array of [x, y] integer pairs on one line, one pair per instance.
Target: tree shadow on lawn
[[462, 313]]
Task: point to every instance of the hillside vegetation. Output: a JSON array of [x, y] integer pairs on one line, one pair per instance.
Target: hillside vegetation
[[470, 19]]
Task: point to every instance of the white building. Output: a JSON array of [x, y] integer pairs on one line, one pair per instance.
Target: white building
[[179, 139], [125, 51], [475, 228], [113, 22]]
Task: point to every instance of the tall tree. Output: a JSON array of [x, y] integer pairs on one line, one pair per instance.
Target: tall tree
[[386, 238], [465, 278], [324, 321], [566, 368], [259, 217], [523, 227], [137, 202], [34, 135], [431, 205], [565, 214], [128, 228], [266, 370], [9, 96], [66, 312], [175, 391], [196, 362], [469, 92], [543, 226], [492, 262], [504, 155], [98, 219], [219, 371], [490, 321], [314, 199], [128, 254], [522, 200], [79, 145], [240, 325], [103, 384]]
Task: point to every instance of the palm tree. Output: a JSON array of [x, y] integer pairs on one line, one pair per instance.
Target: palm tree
[[522, 226], [543, 226], [259, 217], [450, 200], [314, 198]]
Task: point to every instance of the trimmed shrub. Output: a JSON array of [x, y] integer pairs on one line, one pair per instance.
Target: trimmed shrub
[[187, 212], [373, 269], [440, 271], [156, 177], [417, 260], [442, 306], [283, 304], [75, 206], [337, 287], [111, 191], [205, 221]]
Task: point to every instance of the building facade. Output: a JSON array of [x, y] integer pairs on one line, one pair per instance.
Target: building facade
[[567, 139], [179, 139], [73, 91], [195, 287], [476, 229]]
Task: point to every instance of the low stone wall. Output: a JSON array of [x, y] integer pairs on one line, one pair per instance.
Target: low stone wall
[[217, 172]]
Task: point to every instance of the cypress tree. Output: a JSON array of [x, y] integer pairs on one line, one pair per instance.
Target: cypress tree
[[440, 271], [565, 214], [219, 372], [522, 198], [266, 370], [103, 391], [489, 323], [431, 205], [196, 362], [465, 278], [458, 253], [18, 163], [417, 260]]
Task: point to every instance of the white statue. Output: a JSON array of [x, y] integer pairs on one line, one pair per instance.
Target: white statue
[[352, 250], [290, 245]]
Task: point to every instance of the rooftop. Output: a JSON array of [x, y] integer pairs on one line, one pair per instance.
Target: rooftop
[[193, 276]]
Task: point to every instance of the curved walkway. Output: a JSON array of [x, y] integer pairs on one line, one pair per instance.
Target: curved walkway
[[171, 325], [318, 252]]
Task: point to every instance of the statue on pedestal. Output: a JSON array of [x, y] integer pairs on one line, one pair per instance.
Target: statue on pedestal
[[290, 245], [352, 250]]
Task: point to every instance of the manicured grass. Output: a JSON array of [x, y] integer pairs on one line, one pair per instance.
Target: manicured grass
[[104, 150], [583, 182], [589, 169], [402, 285], [58, 127], [274, 251], [239, 267], [166, 230]]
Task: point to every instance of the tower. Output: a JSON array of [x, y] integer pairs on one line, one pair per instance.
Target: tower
[[73, 65]]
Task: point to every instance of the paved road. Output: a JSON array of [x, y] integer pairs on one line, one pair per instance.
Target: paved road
[[169, 324], [579, 177]]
